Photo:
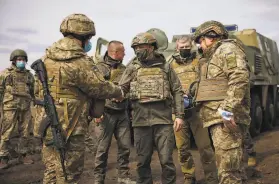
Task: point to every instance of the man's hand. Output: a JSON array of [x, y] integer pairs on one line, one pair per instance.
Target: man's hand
[[228, 120], [119, 99], [178, 123], [230, 124], [99, 120]]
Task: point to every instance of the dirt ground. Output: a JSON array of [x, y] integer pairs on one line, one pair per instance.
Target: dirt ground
[[266, 172]]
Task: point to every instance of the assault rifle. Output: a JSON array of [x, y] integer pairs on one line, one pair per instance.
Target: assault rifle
[[50, 109]]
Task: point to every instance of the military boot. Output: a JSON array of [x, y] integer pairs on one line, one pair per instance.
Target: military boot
[[4, 163], [252, 161]]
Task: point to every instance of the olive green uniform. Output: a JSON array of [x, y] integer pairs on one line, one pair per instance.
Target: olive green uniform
[[188, 72], [152, 87], [115, 122]]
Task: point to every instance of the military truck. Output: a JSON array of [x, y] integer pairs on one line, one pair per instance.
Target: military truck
[[263, 59]]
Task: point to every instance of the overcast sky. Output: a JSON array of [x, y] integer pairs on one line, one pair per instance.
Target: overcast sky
[[33, 25]]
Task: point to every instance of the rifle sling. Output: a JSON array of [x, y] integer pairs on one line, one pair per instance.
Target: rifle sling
[[75, 118]]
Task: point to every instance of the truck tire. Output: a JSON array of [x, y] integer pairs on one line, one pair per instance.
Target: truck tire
[[256, 115], [277, 112], [269, 115]]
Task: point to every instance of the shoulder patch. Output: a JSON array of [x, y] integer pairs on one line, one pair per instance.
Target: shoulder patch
[[231, 60]]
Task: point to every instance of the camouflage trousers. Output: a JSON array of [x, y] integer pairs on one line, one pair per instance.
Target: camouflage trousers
[[117, 124], [74, 162], [91, 142], [248, 152], [38, 117], [229, 152], [249, 144], [202, 140], [15, 123], [162, 137]]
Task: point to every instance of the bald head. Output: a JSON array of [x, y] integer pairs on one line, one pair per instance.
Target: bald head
[[116, 50]]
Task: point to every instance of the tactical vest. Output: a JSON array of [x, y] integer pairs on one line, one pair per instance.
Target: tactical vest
[[211, 89], [216, 88], [57, 90], [20, 83], [115, 76], [150, 85], [187, 73]]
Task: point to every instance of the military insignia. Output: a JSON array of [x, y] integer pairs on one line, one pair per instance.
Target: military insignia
[[231, 60]]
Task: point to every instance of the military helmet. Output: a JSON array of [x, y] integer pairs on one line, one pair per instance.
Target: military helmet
[[18, 52], [144, 38], [210, 28], [78, 24], [161, 37]]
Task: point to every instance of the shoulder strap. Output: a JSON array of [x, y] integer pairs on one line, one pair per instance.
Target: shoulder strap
[[76, 116]]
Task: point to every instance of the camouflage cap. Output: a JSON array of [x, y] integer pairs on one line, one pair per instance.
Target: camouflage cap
[[144, 38], [208, 28], [17, 53], [161, 37], [78, 24]]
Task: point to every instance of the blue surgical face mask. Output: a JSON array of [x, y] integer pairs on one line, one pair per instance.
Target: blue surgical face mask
[[87, 47], [20, 64]]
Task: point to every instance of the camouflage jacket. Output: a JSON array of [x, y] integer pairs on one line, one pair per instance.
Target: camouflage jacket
[[148, 114], [112, 71], [228, 61], [73, 81], [16, 88]]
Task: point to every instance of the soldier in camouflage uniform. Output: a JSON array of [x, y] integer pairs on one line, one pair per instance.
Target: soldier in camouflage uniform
[[73, 81], [224, 92], [115, 120], [16, 94], [153, 86], [186, 65]]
